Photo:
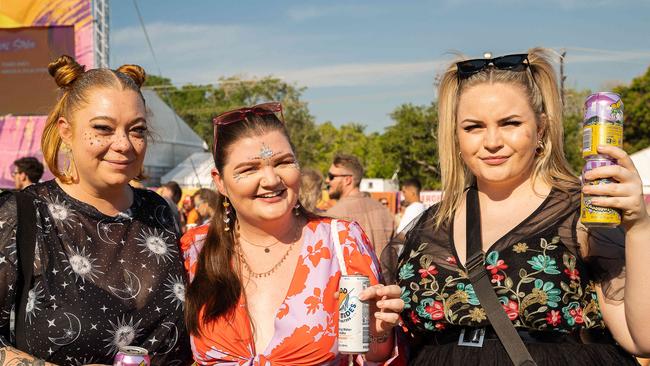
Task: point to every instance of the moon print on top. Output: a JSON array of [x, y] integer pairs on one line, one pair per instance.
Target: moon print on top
[[98, 285], [105, 229], [70, 333], [131, 288], [154, 243], [122, 334], [169, 342]]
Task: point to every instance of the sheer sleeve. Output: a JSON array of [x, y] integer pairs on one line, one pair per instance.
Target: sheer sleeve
[[8, 267], [606, 258]]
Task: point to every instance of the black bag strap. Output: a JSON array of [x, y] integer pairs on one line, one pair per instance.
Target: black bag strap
[[25, 245], [483, 288]]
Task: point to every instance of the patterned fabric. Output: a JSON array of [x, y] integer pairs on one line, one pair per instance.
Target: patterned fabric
[[100, 282], [306, 323], [536, 269]]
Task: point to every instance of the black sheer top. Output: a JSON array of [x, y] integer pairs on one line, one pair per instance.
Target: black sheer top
[[537, 270], [100, 282]]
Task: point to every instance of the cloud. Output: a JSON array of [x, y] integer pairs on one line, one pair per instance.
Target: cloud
[[595, 55], [303, 13], [356, 74]]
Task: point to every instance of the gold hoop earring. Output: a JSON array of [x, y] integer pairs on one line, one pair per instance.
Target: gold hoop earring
[[541, 147]]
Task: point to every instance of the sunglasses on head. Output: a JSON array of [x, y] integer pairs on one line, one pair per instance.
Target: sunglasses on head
[[515, 62], [241, 114]]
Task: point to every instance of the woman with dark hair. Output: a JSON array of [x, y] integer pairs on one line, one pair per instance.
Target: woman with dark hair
[[264, 273], [501, 271], [105, 270], [205, 204]]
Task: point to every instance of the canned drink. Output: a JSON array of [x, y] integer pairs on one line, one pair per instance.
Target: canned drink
[[602, 123], [596, 216], [354, 315], [132, 356]]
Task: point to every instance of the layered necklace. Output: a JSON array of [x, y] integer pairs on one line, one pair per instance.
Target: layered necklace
[[266, 250]]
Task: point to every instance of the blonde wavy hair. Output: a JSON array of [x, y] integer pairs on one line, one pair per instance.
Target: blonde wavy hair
[[539, 82], [75, 83]]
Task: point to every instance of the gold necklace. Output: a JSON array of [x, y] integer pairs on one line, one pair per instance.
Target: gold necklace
[[276, 266], [266, 247]]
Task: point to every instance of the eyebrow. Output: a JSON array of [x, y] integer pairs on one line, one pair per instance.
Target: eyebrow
[[256, 159], [111, 119], [500, 120]]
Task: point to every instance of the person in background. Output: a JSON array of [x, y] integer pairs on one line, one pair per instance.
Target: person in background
[[189, 217], [205, 203], [264, 276], [573, 294], [343, 180], [27, 171], [107, 271], [311, 186], [172, 193], [411, 199]]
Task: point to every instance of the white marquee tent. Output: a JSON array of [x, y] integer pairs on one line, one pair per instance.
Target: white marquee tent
[[173, 140], [193, 172], [641, 161]]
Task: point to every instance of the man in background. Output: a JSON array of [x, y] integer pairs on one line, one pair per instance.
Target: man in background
[[172, 193], [411, 199], [343, 180], [27, 171]]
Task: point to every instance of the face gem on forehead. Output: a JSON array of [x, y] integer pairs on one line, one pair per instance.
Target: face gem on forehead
[[265, 152]]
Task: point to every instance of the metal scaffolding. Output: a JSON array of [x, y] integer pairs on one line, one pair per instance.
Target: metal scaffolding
[[100, 31]]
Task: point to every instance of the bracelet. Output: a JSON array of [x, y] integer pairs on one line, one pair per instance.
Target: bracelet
[[382, 338]]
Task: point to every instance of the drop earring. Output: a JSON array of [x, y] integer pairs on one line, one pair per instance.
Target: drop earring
[[296, 209], [226, 215]]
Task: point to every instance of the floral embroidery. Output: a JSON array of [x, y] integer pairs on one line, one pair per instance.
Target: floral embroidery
[[535, 292]]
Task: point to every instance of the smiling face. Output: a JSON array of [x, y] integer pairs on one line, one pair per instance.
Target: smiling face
[[497, 133], [107, 137], [260, 177]]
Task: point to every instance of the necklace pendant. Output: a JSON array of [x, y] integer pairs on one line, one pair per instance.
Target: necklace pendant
[[267, 250]]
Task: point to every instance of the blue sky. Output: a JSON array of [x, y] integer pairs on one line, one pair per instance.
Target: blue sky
[[361, 59]]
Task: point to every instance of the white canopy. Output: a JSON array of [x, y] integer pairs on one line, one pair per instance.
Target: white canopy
[[173, 139], [641, 161], [193, 172]]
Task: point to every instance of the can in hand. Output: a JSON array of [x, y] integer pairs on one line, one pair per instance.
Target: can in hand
[[602, 123], [354, 315], [132, 356], [596, 216]]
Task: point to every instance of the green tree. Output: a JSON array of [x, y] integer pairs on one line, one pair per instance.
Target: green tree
[[410, 145], [636, 99], [198, 104]]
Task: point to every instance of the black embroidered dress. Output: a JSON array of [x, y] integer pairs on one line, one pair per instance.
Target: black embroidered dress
[[542, 281], [100, 282]]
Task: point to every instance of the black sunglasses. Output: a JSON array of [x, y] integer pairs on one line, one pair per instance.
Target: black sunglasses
[[332, 176], [515, 62]]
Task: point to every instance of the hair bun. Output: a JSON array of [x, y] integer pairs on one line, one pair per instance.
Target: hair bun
[[65, 70], [135, 72]]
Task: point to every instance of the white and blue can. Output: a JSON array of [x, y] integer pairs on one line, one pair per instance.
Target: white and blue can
[[354, 315]]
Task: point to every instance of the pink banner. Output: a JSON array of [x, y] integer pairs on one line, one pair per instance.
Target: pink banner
[[19, 137]]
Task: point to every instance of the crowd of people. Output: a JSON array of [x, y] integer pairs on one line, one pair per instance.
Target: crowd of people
[[500, 271]]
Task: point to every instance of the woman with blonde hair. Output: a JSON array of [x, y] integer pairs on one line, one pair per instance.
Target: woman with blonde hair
[[90, 264], [501, 271]]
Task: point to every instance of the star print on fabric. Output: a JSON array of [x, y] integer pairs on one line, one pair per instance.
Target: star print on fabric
[[2, 224], [53, 297], [54, 271], [93, 326], [153, 340], [50, 323], [158, 309], [3, 259], [54, 306], [65, 284], [103, 308], [49, 350]]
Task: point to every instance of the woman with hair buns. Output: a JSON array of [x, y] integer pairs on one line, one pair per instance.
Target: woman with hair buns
[[501, 271], [106, 271]]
